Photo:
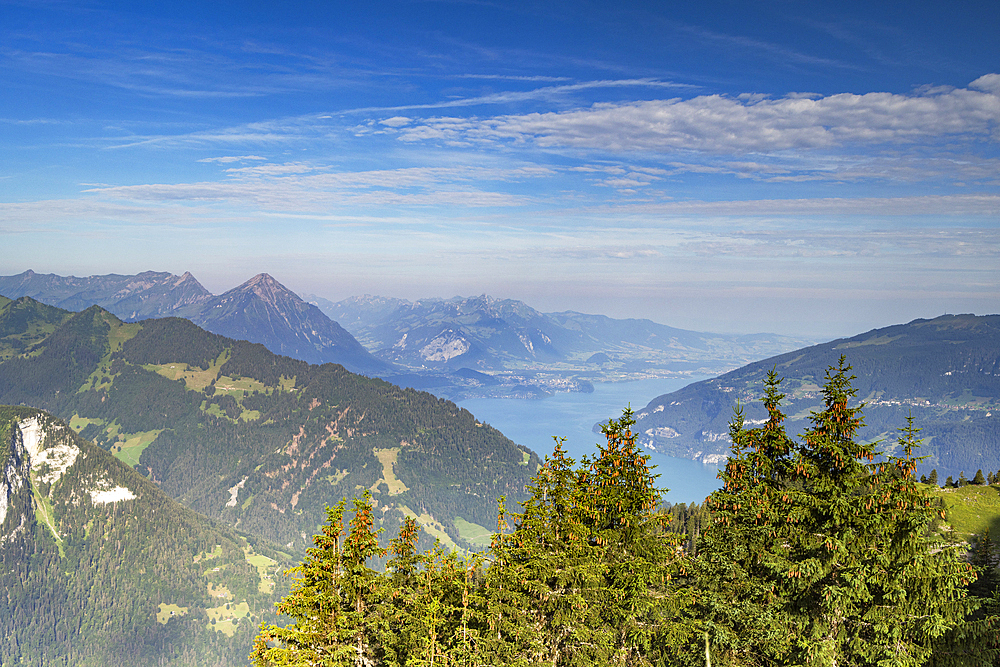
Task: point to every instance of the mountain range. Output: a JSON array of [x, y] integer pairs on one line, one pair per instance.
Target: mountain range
[[458, 348], [100, 567], [257, 440], [505, 335], [261, 310], [944, 371]]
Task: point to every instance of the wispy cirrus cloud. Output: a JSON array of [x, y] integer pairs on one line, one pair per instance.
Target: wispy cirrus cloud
[[296, 188], [514, 96]]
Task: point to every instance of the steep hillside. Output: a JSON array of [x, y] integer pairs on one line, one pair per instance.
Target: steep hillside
[[261, 310], [504, 334], [100, 567], [262, 441], [24, 322], [946, 371]]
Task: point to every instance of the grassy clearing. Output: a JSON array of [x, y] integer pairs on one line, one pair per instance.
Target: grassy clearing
[[120, 332], [195, 378], [238, 388], [226, 617], [473, 532], [215, 553], [387, 457], [263, 565], [131, 448], [218, 592], [433, 528], [43, 514], [971, 508], [525, 457], [250, 415], [168, 611], [78, 423]]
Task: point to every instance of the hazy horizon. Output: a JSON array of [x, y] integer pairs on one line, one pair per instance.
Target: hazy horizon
[[795, 168]]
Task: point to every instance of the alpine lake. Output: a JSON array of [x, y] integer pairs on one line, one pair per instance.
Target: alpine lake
[[572, 415]]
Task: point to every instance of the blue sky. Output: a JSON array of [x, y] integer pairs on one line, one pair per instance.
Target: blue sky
[[799, 167]]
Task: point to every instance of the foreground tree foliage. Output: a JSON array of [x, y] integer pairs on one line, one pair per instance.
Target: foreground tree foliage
[[824, 545], [816, 552]]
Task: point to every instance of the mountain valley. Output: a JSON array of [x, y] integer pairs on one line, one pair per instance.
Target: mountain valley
[[482, 347]]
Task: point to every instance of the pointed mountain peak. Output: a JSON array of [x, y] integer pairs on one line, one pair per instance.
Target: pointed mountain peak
[[264, 287], [262, 278], [189, 280]]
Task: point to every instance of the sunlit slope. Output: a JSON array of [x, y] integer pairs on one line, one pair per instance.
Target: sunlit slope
[[262, 441], [100, 567]]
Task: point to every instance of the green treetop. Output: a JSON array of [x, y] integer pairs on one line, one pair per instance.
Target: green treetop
[[827, 542]]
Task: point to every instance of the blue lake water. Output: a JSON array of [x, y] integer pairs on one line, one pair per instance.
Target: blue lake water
[[533, 422]]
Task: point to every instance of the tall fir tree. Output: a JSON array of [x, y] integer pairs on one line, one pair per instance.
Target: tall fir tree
[[335, 601], [828, 542]]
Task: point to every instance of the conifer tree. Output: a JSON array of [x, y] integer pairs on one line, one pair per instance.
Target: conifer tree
[[828, 545], [638, 603], [933, 477], [979, 480], [335, 599], [586, 576]]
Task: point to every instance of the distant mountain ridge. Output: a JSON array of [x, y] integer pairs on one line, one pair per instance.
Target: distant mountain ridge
[[504, 334], [261, 310], [946, 371]]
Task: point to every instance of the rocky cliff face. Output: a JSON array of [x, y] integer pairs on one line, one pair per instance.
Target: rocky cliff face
[[15, 487]]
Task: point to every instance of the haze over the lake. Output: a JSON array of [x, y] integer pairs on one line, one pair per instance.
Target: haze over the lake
[[797, 167]]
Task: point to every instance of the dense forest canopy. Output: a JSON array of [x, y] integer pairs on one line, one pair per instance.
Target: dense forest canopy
[[818, 551]]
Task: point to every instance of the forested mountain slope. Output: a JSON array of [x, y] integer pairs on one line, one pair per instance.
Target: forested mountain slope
[[261, 310], [262, 441], [100, 567], [945, 370]]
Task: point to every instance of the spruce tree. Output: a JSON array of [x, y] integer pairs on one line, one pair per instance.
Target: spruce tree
[[827, 541], [641, 555], [933, 477], [979, 480], [335, 602], [586, 577]]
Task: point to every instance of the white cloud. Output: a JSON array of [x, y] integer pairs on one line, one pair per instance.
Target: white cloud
[[231, 158], [717, 124]]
